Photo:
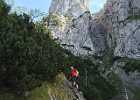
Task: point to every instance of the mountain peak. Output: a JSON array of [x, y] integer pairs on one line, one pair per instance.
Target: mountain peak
[[73, 8]]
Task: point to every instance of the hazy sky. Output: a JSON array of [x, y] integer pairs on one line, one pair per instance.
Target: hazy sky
[[96, 5], [43, 5]]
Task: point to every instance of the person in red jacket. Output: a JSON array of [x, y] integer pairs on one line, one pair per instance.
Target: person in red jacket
[[74, 75]]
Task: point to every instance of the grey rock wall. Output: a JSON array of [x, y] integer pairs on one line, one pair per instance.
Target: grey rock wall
[[73, 8], [84, 34], [124, 29]]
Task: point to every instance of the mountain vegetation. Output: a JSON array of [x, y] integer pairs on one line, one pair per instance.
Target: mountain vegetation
[[29, 57]]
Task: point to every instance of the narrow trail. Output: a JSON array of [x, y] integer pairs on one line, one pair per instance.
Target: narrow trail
[[78, 94]]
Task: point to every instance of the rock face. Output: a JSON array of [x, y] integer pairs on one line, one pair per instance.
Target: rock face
[[121, 15], [79, 32], [128, 42], [114, 27], [98, 37], [77, 38], [73, 8]]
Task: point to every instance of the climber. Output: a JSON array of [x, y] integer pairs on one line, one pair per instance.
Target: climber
[[74, 76]]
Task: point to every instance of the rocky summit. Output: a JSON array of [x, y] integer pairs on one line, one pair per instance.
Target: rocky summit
[[116, 26], [73, 8]]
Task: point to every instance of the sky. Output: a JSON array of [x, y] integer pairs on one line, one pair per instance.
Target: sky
[[96, 5], [43, 5]]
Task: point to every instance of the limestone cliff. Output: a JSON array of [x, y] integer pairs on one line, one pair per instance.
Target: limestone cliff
[[122, 19], [73, 8], [113, 27], [80, 34]]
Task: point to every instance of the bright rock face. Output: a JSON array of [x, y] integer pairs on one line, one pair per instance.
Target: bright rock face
[[77, 38], [79, 32], [125, 27], [73, 8], [128, 42], [115, 27]]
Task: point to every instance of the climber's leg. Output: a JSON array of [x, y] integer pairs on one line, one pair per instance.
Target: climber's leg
[[77, 86], [74, 81], [77, 82]]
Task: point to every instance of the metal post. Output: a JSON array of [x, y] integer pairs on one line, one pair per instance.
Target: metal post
[[126, 94]]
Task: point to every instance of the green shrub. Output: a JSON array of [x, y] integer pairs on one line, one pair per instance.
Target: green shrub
[[28, 57], [4, 8], [27, 51], [131, 65], [134, 17]]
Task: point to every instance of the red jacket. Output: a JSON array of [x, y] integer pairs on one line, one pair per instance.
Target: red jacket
[[74, 72]]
